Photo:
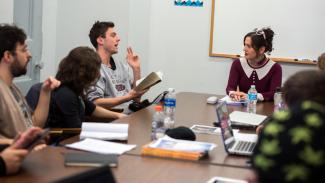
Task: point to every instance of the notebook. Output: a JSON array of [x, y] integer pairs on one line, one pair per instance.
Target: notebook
[[242, 144], [90, 159]]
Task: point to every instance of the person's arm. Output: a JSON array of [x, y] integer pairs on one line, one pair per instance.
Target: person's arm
[[233, 80], [11, 160], [41, 112], [134, 62], [276, 81], [111, 102], [100, 112]]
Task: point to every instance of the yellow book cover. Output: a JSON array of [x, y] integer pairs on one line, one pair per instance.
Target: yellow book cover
[[179, 149]]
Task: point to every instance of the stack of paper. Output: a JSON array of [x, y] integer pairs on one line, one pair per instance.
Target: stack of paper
[[104, 131], [100, 146], [179, 149]]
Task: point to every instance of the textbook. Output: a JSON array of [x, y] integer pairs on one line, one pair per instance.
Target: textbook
[[152, 79], [90, 159], [104, 131], [178, 149]]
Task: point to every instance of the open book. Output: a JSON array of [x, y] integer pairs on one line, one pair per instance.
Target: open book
[[152, 79], [104, 131], [179, 149]]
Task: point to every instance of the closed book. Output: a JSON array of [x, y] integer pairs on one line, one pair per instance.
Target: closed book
[[90, 159], [178, 149]]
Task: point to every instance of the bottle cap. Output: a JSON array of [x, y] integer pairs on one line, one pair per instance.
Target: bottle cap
[[171, 89], [158, 108]]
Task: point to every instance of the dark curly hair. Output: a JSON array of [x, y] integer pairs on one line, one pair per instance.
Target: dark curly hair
[[305, 85], [10, 35], [98, 30], [261, 37], [79, 69]]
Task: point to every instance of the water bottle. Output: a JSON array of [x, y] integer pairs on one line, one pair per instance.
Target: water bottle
[[158, 129], [252, 99], [278, 101], [170, 108]]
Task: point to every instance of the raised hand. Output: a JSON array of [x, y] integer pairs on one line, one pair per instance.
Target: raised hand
[[132, 58], [50, 84]]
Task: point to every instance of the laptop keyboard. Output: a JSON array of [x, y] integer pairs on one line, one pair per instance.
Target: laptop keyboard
[[245, 146]]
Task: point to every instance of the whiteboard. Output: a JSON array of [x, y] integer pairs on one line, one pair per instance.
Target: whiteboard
[[298, 25]]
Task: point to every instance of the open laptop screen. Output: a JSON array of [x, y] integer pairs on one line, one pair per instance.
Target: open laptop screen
[[224, 120]]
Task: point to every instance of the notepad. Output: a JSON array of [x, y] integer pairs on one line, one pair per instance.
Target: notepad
[[104, 131], [90, 159]]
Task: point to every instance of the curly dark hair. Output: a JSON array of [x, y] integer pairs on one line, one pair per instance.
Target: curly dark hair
[[305, 85], [10, 35], [79, 69], [98, 30], [261, 37]]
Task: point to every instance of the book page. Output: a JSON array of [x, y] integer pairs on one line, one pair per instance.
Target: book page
[[182, 145], [148, 81], [105, 127], [100, 146], [104, 131]]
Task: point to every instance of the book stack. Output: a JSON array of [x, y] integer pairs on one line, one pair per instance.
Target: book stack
[[178, 149]]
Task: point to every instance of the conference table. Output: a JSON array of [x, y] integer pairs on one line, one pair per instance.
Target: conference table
[[47, 165]]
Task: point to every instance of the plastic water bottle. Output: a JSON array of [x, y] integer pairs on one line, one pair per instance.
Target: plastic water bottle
[[278, 101], [170, 108], [158, 129], [252, 99]]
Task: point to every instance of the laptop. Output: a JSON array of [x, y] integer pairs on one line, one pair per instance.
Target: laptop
[[242, 144]]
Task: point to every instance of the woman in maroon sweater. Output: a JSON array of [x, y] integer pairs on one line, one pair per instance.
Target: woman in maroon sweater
[[255, 68]]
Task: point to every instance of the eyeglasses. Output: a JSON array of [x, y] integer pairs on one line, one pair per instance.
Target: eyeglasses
[[260, 32]]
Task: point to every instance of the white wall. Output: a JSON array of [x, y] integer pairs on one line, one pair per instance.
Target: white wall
[[168, 38], [76, 17], [179, 40], [6, 11], [49, 25]]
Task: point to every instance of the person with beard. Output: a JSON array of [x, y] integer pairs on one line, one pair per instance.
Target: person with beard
[[255, 68], [15, 114]]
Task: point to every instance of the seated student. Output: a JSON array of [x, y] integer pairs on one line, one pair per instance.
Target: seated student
[[321, 62], [69, 106], [291, 146], [255, 69], [15, 114], [11, 156], [114, 89]]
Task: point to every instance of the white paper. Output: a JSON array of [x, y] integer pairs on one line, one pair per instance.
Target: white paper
[[205, 129], [104, 131], [229, 101], [100, 146], [246, 118], [182, 145]]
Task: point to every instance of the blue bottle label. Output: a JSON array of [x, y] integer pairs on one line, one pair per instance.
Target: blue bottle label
[[170, 102], [252, 96]]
